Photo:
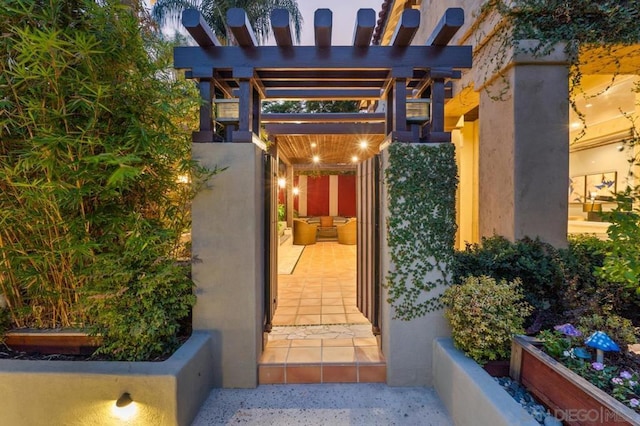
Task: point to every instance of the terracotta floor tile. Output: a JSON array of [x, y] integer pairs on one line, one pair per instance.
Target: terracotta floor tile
[[308, 320], [337, 342], [310, 302], [305, 343], [372, 373], [365, 341], [271, 375], [338, 354], [368, 354], [284, 343], [334, 319], [306, 310], [304, 355], [349, 309], [282, 302], [303, 374], [274, 355], [287, 310], [357, 319], [333, 302], [339, 374], [284, 319]]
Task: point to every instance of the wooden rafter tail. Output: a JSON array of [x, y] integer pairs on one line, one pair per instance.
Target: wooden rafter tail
[[323, 23], [365, 24], [281, 26], [447, 27], [407, 28], [197, 27], [240, 27]]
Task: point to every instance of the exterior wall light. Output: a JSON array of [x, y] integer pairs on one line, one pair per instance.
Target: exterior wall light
[[124, 400], [124, 408]]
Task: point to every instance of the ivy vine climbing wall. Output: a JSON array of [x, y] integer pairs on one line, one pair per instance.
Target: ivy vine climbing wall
[[421, 182]]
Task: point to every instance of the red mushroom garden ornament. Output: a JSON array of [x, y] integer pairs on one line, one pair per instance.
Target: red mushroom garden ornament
[[601, 342]]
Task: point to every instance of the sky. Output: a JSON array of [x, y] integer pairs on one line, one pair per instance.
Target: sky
[[344, 18]]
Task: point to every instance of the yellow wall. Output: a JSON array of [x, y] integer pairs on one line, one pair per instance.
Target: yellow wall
[[465, 138]]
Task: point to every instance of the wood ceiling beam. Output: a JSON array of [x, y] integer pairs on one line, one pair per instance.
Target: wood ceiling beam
[[323, 23], [406, 29], [365, 24], [240, 27], [336, 58], [283, 84], [330, 117], [323, 94], [281, 27], [195, 24], [447, 27], [325, 129], [323, 75]]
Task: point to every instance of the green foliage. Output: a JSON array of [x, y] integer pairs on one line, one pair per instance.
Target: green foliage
[[309, 106], [142, 319], [555, 343], [484, 315], [621, 330], [282, 212], [421, 181], [535, 263], [92, 141], [214, 13]]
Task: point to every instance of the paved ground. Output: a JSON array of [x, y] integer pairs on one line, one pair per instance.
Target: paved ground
[[327, 404]]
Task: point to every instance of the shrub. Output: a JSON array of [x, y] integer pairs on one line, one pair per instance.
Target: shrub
[[537, 265], [484, 314], [621, 330]]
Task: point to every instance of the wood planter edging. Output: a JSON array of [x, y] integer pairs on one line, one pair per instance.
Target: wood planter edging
[[68, 342], [569, 396]]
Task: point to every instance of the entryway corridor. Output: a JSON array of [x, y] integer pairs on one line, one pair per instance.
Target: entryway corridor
[[319, 335]]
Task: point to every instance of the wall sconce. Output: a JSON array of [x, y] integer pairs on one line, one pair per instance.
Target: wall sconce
[[418, 110], [296, 191], [124, 400], [282, 182], [227, 110]]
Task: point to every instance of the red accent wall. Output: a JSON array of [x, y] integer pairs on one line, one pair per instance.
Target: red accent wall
[[347, 195], [317, 195], [295, 197]]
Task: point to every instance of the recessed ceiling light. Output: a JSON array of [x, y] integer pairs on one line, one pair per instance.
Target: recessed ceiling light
[[364, 144], [313, 144], [588, 105], [354, 159], [316, 159]]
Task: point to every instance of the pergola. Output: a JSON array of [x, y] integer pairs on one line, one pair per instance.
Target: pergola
[[397, 74]]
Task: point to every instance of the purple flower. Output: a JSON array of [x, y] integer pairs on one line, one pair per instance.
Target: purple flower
[[568, 330], [633, 383], [598, 366], [617, 381], [625, 375], [634, 402]]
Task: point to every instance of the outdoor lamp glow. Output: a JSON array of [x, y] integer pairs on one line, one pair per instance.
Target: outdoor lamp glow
[[124, 400], [316, 159], [296, 191], [282, 182], [124, 408], [364, 144]]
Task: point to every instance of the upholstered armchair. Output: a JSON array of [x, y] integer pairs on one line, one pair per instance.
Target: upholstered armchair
[[304, 233], [347, 232]]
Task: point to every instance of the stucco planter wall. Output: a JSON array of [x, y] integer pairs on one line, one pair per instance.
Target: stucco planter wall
[[470, 394], [570, 397], [84, 392]]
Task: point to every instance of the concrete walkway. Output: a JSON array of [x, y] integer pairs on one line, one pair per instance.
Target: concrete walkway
[[326, 404]]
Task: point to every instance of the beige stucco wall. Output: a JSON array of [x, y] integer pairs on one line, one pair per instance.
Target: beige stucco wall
[[465, 137], [228, 251]]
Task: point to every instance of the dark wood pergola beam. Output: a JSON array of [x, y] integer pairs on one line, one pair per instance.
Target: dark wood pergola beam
[[195, 24], [406, 29], [447, 27], [240, 27], [329, 117], [305, 75], [281, 27], [282, 84], [325, 128], [365, 24], [336, 58], [323, 94], [323, 23]]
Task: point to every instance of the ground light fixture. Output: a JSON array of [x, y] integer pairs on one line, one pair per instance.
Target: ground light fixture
[[124, 408]]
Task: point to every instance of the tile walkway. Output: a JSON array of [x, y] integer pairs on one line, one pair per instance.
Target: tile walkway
[[319, 335]]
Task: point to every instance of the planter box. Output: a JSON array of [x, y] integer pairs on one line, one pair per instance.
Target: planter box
[[166, 393], [470, 394], [570, 398]]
